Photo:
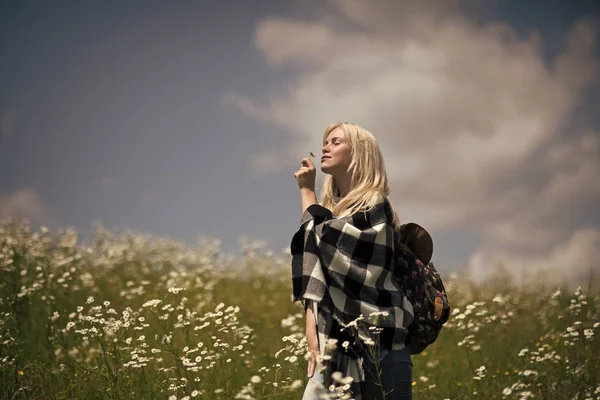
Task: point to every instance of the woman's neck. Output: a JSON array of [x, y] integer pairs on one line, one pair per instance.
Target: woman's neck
[[343, 185]]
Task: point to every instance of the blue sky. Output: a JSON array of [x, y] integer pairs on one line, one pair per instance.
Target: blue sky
[[187, 118]]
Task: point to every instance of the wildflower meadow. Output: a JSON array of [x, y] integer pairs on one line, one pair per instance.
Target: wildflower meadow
[[132, 316]]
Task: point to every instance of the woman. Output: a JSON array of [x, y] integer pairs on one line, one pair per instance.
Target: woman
[[342, 271]]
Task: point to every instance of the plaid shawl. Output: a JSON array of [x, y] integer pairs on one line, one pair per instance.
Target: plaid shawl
[[344, 267]]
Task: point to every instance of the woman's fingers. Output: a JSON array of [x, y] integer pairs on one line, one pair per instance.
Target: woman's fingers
[[301, 171], [307, 162], [305, 176], [312, 362], [311, 367]]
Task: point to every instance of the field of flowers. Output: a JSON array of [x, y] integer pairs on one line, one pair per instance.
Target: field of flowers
[[130, 316]]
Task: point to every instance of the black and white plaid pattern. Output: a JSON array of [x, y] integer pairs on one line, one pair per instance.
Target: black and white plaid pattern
[[346, 267]]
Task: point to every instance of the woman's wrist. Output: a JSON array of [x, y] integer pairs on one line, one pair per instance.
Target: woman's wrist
[[307, 190], [308, 198]]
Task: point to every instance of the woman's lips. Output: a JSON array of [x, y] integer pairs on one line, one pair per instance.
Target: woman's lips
[[324, 158]]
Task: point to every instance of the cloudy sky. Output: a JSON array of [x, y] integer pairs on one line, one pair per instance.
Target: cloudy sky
[[188, 118]]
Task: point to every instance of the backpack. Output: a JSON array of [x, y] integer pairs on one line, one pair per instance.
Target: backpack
[[422, 286]]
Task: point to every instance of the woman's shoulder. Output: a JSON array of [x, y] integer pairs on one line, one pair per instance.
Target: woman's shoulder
[[390, 212], [377, 212], [384, 203]]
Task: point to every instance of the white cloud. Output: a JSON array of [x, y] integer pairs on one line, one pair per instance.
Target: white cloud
[[262, 163], [8, 123], [473, 122], [24, 203], [107, 183], [570, 261]]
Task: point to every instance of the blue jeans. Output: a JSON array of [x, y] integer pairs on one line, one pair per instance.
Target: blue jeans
[[396, 376]]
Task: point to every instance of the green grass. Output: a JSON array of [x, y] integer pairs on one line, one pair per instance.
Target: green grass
[[56, 342]]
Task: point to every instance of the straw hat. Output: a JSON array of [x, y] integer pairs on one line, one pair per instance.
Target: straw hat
[[418, 241]]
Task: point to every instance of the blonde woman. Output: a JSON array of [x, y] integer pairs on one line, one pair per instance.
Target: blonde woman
[[343, 272]]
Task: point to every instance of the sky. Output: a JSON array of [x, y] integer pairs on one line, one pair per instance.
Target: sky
[[188, 118]]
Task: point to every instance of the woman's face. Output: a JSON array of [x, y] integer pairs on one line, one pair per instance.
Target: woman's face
[[336, 153]]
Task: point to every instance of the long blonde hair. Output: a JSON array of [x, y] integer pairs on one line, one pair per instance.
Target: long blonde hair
[[368, 182]]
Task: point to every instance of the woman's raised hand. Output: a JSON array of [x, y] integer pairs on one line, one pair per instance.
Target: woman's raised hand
[[306, 175]]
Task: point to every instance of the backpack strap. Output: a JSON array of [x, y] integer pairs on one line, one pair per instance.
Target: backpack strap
[[438, 308], [404, 247]]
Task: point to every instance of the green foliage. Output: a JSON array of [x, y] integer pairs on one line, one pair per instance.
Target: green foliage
[[130, 316]]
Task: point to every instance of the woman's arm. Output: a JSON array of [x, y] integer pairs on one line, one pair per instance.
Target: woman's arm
[[312, 340], [306, 182], [305, 177], [308, 198]]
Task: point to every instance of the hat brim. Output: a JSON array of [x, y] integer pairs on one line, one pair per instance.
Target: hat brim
[[419, 241]]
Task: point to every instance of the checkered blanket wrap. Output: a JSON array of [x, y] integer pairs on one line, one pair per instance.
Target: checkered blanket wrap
[[346, 265]]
